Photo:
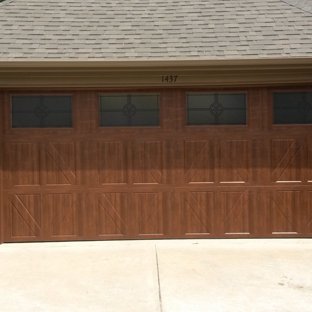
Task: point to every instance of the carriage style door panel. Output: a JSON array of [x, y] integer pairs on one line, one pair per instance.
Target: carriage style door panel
[[87, 165]]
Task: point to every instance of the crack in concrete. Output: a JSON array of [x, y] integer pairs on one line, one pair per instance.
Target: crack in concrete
[[159, 289]]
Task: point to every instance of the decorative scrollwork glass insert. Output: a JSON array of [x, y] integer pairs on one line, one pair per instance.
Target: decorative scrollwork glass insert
[[41, 111], [292, 107], [216, 109], [128, 110]]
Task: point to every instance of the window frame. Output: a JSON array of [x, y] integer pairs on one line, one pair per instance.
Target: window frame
[[126, 93], [213, 91], [285, 127], [8, 126], [273, 107]]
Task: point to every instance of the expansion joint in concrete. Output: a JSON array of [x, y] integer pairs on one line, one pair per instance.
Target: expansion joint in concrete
[[158, 278]]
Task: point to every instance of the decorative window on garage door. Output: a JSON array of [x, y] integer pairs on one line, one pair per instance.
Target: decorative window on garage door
[[292, 107], [127, 110], [41, 111], [216, 109]]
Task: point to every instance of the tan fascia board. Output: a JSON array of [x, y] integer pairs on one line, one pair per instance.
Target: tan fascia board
[[149, 73]]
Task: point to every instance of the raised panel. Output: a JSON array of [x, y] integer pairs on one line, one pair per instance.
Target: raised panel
[[23, 162], [60, 163], [149, 212], [147, 160], [235, 213], [234, 161], [199, 161], [62, 214], [113, 162], [284, 212], [198, 214], [112, 214], [286, 161], [24, 216]]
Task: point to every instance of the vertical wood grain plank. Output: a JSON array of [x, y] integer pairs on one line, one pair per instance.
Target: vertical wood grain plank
[[86, 107]]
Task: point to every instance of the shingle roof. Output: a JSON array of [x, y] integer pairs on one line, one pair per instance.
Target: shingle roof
[[154, 29]]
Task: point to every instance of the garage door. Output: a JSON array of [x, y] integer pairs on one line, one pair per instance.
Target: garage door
[[87, 165]]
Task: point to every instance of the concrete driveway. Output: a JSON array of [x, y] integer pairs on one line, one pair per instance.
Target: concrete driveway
[[174, 275]]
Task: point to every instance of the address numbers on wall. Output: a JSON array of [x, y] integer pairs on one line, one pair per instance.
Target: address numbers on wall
[[169, 78]]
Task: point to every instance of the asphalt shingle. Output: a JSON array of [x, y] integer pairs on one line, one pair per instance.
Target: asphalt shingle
[[154, 29]]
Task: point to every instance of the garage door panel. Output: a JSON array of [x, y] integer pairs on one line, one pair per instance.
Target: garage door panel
[[59, 163], [174, 172], [22, 163], [112, 214], [113, 162], [173, 205], [199, 161], [235, 212], [86, 205], [258, 158], [61, 213], [234, 161], [23, 216], [148, 162], [149, 213], [284, 213], [198, 214], [286, 160], [258, 211], [87, 163]]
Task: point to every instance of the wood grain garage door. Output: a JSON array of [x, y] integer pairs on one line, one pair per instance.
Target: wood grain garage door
[[88, 182]]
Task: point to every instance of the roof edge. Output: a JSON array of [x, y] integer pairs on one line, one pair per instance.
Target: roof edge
[[301, 6], [153, 63]]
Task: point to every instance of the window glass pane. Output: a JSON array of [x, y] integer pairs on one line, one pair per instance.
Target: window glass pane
[[113, 102], [41, 111], [292, 107], [129, 110], [216, 109]]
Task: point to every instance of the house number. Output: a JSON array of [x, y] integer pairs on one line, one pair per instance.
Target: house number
[[169, 79]]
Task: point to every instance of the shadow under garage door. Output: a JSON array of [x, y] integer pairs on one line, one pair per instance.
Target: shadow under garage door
[[167, 177]]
